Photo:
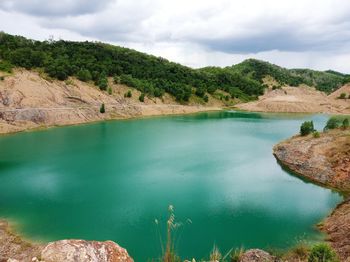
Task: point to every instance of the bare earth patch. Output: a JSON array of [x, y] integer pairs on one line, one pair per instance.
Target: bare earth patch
[[301, 99]]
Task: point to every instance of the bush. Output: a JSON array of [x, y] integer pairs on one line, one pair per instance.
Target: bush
[[2, 78], [116, 80], [316, 134], [103, 83], [307, 128], [332, 123], [322, 253], [206, 98], [128, 94], [345, 123], [342, 96], [110, 90], [102, 108], [84, 75], [142, 97]]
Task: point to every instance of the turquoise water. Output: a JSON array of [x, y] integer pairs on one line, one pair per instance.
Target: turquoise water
[[111, 180]]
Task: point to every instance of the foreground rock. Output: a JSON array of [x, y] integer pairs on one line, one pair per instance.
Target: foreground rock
[[13, 248], [87, 251], [256, 255], [324, 160]]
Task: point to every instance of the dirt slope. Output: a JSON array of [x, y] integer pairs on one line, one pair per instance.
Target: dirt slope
[[28, 101], [300, 100]]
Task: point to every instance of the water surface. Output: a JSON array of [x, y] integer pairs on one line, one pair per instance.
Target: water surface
[[111, 180]]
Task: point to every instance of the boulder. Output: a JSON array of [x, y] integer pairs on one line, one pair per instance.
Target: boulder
[[84, 251], [256, 255]]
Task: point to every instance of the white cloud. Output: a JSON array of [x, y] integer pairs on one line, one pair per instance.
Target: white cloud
[[292, 33]]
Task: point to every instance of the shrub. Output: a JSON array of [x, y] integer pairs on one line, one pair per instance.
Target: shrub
[[306, 128], [110, 90], [206, 98], [142, 97], [332, 123], [342, 96], [322, 253], [2, 78], [345, 123], [84, 75], [103, 83], [215, 254], [102, 108], [128, 94], [316, 134], [116, 79]]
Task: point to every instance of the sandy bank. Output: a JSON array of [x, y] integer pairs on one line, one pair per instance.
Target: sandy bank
[[300, 100]]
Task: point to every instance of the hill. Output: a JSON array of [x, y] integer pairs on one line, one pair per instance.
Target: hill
[[154, 76]]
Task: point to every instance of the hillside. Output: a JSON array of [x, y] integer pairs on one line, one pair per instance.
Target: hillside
[[94, 62]]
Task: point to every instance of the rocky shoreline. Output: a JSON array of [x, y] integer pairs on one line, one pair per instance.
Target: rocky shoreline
[[14, 248], [325, 161]]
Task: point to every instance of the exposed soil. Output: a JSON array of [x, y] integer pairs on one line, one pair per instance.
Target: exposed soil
[[28, 100], [301, 99]]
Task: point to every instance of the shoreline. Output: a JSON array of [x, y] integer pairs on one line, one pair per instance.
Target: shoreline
[[325, 162], [144, 115]]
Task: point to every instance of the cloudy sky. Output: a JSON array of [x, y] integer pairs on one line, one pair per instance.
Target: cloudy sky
[[291, 33]]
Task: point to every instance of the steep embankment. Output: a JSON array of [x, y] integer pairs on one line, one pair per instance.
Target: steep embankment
[[301, 99], [29, 101], [324, 160]]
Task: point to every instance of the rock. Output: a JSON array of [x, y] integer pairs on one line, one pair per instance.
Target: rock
[[84, 251], [256, 255]]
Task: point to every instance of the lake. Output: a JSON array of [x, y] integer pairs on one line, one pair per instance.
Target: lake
[[112, 180]]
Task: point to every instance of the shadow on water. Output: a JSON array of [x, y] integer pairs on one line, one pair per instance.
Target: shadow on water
[[307, 180]]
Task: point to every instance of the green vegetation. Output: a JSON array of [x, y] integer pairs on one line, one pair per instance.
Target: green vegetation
[[316, 134], [110, 90], [153, 76], [342, 96], [128, 94], [336, 122], [307, 128], [102, 108], [2, 78], [142, 97], [322, 253]]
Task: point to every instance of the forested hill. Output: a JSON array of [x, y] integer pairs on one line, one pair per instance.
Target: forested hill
[[94, 61]]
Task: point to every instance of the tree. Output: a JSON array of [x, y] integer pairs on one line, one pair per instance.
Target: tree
[[332, 123], [84, 75], [102, 108], [322, 253], [307, 128], [142, 97], [103, 82], [206, 98], [345, 123]]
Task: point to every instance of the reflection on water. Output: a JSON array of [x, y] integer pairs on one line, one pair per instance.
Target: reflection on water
[[111, 180]]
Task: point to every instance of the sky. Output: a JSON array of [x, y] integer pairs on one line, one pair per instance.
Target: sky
[[197, 33]]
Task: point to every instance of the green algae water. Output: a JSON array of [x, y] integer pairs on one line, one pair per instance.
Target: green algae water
[[111, 180]]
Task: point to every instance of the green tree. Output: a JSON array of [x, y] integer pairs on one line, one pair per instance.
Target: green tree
[[307, 128], [103, 82], [322, 253], [332, 123], [102, 108], [84, 75], [206, 98], [142, 97]]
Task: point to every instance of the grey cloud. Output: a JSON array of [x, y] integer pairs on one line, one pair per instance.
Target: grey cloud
[[47, 8]]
